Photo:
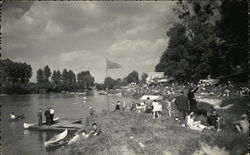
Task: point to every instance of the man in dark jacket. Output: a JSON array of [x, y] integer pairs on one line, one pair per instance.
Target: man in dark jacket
[[182, 104], [191, 99], [40, 117], [47, 116]]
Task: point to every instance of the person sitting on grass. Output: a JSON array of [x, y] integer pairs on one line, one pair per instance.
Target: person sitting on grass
[[91, 111], [242, 125], [96, 130], [77, 136], [213, 120], [194, 125]]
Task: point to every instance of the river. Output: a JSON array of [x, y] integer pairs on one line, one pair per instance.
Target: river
[[17, 141]]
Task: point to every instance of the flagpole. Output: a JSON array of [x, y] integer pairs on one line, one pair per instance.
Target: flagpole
[[108, 149], [107, 83]]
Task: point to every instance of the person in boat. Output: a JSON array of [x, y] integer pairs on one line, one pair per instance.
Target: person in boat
[[194, 125], [242, 125], [12, 115], [213, 120], [47, 116], [40, 117], [52, 113], [96, 130]]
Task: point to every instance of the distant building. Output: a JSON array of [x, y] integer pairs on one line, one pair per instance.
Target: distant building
[[154, 75]]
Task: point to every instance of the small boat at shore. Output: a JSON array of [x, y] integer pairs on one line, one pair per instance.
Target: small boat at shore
[[56, 138], [17, 118]]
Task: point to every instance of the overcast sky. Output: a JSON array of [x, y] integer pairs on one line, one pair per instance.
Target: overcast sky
[[80, 35]]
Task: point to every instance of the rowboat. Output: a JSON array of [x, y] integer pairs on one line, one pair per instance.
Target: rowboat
[[57, 126], [56, 138], [19, 117], [57, 145], [28, 125]]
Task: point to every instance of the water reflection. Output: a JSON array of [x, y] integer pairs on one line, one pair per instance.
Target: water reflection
[[26, 132]]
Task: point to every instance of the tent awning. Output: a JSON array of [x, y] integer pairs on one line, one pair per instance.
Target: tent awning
[[152, 97]]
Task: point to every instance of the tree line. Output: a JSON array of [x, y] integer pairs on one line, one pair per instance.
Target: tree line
[[65, 81], [132, 77], [15, 79], [210, 38]]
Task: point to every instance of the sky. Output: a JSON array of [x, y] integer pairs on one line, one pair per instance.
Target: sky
[[81, 35]]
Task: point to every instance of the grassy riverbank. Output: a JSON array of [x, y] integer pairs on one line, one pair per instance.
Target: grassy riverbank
[[136, 133]]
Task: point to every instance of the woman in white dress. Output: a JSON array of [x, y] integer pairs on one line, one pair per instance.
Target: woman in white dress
[[194, 125]]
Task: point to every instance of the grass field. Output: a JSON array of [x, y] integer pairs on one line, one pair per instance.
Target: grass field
[[131, 133]]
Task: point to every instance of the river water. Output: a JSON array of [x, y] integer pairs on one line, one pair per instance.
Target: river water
[[17, 141]]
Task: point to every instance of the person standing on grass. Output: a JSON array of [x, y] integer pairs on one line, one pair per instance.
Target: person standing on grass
[[242, 125], [182, 104], [149, 107], [40, 117], [91, 111], [118, 106], [154, 105], [191, 99]]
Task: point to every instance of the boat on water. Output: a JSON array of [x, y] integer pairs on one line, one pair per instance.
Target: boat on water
[[57, 126], [31, 125], [17, 118], [54, 140]]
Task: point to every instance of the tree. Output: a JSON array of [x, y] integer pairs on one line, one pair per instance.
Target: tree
[[233, 28], [56, 77], [85, 79], [71, 77], [132, 77], [144, 77], [110, 83], [192, 43], [47, 73], [65, 77], [39, 76]]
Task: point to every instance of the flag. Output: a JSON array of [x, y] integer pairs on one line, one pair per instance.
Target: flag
[[113, 65]]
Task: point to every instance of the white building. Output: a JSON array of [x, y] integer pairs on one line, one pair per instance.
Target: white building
[[154, 75]]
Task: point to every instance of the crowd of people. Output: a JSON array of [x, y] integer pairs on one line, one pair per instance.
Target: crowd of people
[[188, 110]]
